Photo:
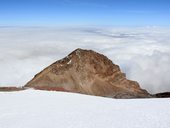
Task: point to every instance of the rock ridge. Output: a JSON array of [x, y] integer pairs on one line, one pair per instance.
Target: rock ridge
[[87, 72]]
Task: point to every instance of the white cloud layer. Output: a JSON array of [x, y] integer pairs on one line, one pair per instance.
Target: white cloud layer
[[143, 53]]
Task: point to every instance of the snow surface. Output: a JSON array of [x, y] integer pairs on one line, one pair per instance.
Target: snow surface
[[43, 109]]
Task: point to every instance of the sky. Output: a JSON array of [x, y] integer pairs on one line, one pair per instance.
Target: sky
[[84, 12], [132, 33]]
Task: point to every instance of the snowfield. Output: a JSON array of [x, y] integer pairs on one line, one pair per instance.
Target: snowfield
[[44, 109]]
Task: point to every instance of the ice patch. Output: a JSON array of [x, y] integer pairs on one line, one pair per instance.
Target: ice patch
[[69, 62]]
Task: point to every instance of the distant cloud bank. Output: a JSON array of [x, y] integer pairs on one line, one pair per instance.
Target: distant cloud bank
[[143, 53]]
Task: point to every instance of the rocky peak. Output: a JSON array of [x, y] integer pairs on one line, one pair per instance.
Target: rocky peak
[[87, 72]]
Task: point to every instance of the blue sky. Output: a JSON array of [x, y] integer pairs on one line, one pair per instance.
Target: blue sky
[[84, 12]]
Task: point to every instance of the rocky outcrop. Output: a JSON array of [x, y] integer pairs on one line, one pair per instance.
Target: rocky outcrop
[[87, 72], [162, 95], [10, 89]]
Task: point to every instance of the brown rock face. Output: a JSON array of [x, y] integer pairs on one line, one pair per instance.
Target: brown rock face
[[87, 72]]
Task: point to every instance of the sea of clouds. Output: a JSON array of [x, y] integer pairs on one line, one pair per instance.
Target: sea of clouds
[[143, 53]]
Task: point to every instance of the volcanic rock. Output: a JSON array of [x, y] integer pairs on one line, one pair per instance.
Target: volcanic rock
[[162, 95], [87, 72], [10, 89]]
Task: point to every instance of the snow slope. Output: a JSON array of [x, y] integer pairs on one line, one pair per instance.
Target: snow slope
[[43, 109]]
